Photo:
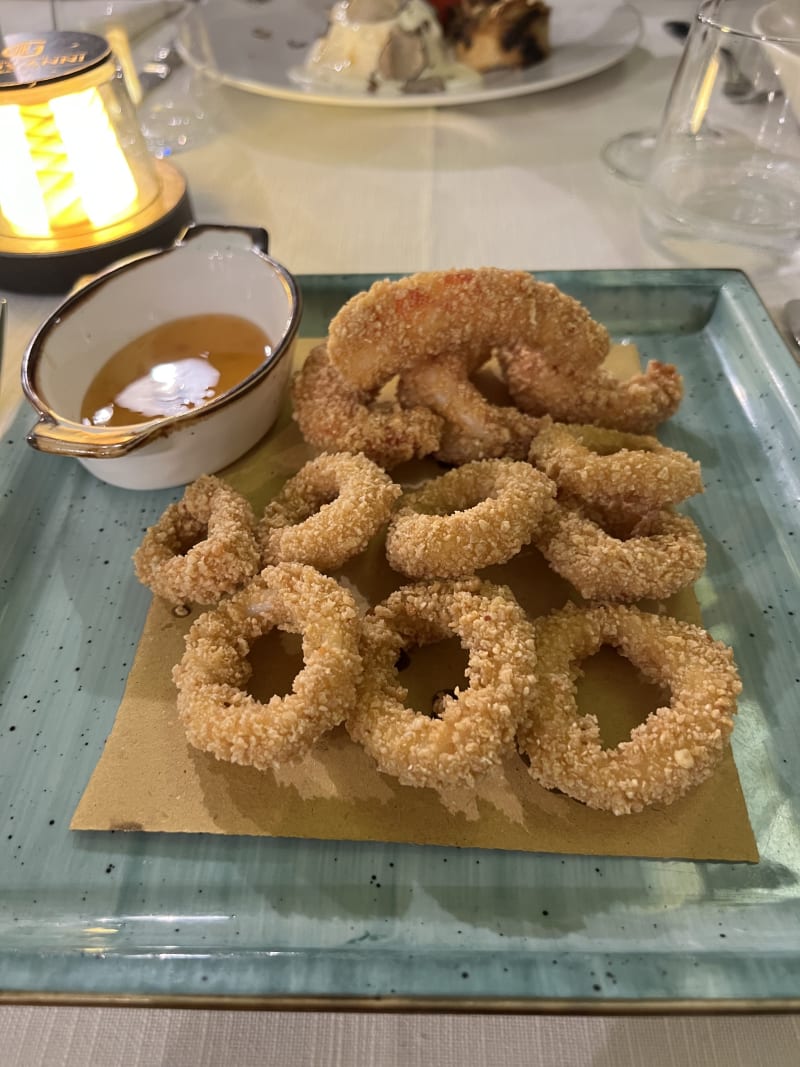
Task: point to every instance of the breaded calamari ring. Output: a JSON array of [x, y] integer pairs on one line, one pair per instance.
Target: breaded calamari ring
[[464, 313], [675, 749], [660, 554], [473, 427], [327, 512], [636, 405], [220, 717], [607, 467], [471, 517], [202, 548], [334, 415], [475, 727]]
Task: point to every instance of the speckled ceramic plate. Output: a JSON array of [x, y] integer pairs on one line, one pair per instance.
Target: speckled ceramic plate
[[260, 46], [157, 918]]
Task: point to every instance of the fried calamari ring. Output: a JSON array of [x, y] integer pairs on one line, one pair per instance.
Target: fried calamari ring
[[674, 750], [221, 717], [327, 512], [470, 517], [202, 548], [660, 554], [604, 467], [474, 728], [473, 427], [464, 313], [336, 416], [636, 405]]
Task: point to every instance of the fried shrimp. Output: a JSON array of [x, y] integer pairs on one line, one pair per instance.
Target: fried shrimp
[[336, 416], [470, 517], [327, 512], [218, 714], [202, 548], [607, 467], [660, 554], [474, 728], [473, 427], [636, 405], [462, 313], [674, 750], [566, 334]]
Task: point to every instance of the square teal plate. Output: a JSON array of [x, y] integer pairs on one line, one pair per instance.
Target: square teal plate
[[192, 919]]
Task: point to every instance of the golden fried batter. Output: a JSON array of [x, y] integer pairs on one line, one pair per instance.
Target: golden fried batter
[[473, 428], [474, 728], [327, 512], [334, 415], [202, 548], [608, 467], [218, 714], [675, 749], [661, 553], [471, 517], [636, 405], [465, 313]]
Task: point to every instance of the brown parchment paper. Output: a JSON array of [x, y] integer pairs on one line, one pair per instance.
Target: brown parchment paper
[[149, 778]]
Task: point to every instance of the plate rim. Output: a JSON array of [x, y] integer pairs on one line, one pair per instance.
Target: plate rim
[[668, 1006]]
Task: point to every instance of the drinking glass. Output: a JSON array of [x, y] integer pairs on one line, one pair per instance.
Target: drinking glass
[[174, 103], [724, 185]]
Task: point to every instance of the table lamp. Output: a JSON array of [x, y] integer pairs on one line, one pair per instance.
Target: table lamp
[[78, 188]]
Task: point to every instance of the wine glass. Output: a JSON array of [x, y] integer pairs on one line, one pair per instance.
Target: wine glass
[[629, 156]]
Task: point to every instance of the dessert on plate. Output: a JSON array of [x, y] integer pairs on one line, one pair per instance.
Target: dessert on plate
[[497, 34], [411, 46], [390, 45]]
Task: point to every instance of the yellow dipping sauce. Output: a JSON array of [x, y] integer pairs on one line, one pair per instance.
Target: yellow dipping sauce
[[174, 368]]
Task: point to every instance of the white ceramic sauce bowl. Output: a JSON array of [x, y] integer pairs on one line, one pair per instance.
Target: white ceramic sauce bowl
[[210, 269]]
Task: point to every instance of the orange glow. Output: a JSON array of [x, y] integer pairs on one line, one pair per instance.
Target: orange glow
[[63, 167]]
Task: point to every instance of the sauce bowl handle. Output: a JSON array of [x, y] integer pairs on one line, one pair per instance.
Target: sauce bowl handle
[[69, 439], [257, 234]]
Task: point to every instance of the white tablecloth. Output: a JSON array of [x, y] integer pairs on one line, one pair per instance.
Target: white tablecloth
[[111, 1037], [517, 183]]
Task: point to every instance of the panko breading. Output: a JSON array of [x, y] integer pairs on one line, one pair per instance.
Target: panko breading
[[676, 748], [202, 548], [471, 517], [327, 512], [338, 417], [220, 717], [474, 728]]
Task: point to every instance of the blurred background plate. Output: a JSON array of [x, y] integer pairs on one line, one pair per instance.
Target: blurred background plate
[[254, 46]]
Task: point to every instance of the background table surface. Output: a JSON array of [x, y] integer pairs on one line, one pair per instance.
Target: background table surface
[[515, 183]]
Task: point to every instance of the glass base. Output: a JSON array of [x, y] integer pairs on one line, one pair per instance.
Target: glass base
[[631, 155], [732, 212]]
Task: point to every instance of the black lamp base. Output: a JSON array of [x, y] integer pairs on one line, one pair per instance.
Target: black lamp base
[[31, 271]]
